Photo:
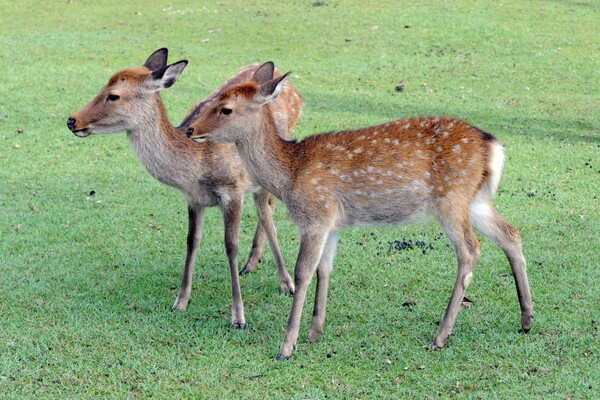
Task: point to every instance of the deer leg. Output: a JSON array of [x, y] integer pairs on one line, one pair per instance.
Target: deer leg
[[256, 250], [324, 269], [265, 203], [232, 211], [311, 248], [195, 222], [495, 228], [466, 248]]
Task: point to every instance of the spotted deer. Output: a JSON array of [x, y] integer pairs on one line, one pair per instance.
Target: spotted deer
[[208, 175], [391, 174]]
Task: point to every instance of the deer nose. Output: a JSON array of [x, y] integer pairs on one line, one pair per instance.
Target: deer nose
[[189, 132], [71, 124]]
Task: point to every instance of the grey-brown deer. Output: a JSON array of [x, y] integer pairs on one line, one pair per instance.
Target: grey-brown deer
[[207, 175], [391, 174]]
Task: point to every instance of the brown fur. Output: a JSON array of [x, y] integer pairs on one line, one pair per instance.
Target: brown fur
[[208, 175], [395, 173]]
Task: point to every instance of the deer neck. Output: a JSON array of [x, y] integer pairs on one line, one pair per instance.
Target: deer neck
[[266, 157], [154, 141]]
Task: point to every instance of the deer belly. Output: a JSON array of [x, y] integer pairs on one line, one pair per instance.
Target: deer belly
[[367, 209]]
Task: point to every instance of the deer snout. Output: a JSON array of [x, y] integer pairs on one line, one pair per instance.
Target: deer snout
[[71, 123], [189, 132]]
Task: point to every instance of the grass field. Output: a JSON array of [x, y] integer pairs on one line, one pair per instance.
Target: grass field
[[92, 247]]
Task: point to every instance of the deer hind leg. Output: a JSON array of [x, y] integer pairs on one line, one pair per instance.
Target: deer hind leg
[[458, 230], [491, 225], [324, 269], [265, 203], [256, 251], [311, 248], [195, 223], [232, 211]]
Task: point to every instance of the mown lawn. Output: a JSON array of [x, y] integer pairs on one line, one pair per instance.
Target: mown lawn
[[92, 247]]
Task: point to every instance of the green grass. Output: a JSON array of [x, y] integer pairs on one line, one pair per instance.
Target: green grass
[[87, 281]]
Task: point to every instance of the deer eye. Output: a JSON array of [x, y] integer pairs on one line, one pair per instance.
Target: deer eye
[[226, 111], [113, 97]]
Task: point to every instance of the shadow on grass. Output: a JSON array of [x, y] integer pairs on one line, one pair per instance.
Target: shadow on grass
[[572, 129]]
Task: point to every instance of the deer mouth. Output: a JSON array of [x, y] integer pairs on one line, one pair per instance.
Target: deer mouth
[[198, 137], [81, 132]]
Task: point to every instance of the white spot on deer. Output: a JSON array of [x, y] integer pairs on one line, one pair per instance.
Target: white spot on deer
[[389, 173], [350, 156], [439, 149], [419, 135], [459, 160], [358, 150], [420, 155], [362, 137], [422, 123], [374, 141], [396, 142], [445, 134], [435, 166], [314, 181], [442, 162], [456, 148], [427, 174], [339, 148], [319, 164], [370, 153], [329, 145], [446, 178], [333, 171], [440, 188], [370, 169], [405, 144], [465, 140], [379, 182], [345, 177], [406, 126], [387, 140]]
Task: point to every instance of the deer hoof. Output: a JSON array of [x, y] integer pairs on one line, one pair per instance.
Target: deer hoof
[[281, 357], [433, 347], [239, 325]]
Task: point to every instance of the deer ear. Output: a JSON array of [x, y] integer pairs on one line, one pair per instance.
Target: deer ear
[[165, 77], [157, 60], [271, 89], [264, 73]]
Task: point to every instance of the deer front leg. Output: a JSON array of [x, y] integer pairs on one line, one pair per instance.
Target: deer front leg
[[311, 248], [195, 222], [324, 269], [232, 211], [265, 203]]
